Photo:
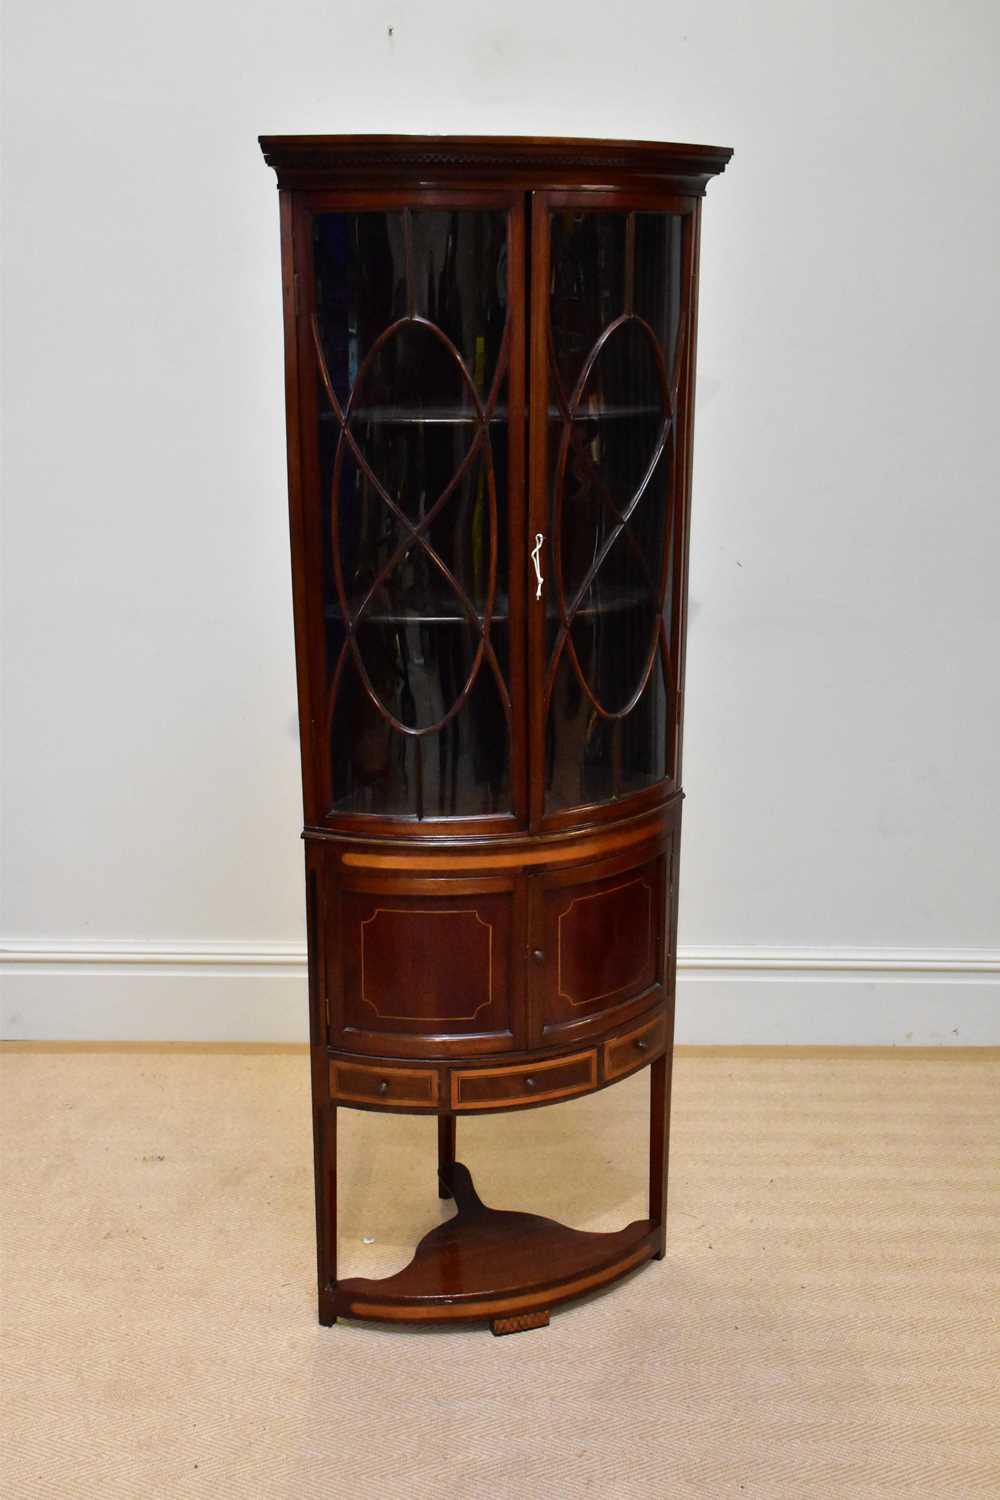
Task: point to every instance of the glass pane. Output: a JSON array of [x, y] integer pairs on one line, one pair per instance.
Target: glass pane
[[587, 281], [410, 316], [657, 296], [461, 768], [615, 313], [587, 757]]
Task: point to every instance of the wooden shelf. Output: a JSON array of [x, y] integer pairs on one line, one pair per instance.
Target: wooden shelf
[[433, 613], [433, 416], [491, 1263]]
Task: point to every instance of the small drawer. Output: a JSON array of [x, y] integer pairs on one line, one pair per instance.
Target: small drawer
[[493, 1088], [414, 1087], [623, 1054]]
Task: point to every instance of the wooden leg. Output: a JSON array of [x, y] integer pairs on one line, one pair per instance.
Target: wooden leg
[[324, 1114], [446, 1151], [659, 1146], [327, 1206]]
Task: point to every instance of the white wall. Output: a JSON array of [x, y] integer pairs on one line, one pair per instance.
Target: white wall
[[841, 878]]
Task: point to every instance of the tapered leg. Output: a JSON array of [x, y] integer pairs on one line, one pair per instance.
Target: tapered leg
[[446, 1150], [327, 1217], [659, 1146]]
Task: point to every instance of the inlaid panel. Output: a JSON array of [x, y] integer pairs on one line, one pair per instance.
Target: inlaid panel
[[497, 1088], [420, 970], [605, 941], [412, 1088], [599, 953], [636, 1048], [442, 994]]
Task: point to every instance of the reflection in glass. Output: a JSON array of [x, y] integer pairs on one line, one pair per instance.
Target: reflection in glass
[[615, 313], [409, 326]]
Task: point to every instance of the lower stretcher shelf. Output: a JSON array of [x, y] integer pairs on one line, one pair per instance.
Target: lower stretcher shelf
[[496, 1264]]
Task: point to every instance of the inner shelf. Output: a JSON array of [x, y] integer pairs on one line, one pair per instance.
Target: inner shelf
[[456, 416], [495, 1263], [423, 611]]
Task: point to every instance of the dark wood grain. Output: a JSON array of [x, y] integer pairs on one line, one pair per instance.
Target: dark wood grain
[[426, 967], [446, 1153], [352, 1082], [556, 1078], [308, 161], [599, 946], [485, 1263], [476, 964], [635, 1049]]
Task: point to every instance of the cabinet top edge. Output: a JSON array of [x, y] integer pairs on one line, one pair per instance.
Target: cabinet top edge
[[295, 157]]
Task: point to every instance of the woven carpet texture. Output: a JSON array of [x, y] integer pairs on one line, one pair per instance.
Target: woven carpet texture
[[826, 1322]]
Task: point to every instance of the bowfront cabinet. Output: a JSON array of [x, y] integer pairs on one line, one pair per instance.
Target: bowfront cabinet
[[489, 364]]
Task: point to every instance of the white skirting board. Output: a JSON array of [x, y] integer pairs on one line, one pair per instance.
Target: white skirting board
[[73, 991]]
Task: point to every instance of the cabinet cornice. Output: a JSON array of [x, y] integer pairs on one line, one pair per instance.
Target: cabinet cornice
[[319, 160]]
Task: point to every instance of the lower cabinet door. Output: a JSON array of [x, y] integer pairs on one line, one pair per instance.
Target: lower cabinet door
[[599, 944], [424, 972]]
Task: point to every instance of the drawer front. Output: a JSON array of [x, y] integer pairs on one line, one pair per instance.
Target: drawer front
[[493, 1088], [413, 1087], [626, 1053]]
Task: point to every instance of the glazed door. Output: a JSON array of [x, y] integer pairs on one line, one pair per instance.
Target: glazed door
[[410, 328], [612, 327]]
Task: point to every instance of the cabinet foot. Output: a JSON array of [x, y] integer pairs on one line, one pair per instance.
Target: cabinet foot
[[519, 1322]]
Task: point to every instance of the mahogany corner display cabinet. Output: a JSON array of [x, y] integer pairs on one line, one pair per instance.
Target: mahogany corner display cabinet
[[489, 375]]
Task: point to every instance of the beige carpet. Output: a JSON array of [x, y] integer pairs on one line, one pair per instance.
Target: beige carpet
[[825, 1323]]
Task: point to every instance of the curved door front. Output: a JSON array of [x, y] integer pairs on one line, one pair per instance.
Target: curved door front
[[411, 346], [600, 945], [424, 970], [612, 307]]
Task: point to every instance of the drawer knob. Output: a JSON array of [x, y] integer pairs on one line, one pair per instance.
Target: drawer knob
[[529, 1083], [641, 1045], [383, 1086], [538, 955]]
